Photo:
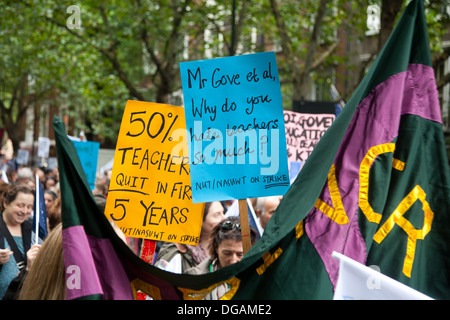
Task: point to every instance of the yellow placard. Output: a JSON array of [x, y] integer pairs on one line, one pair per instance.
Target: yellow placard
[[150, 190]]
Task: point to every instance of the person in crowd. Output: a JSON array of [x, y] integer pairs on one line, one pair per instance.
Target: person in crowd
[[25, 175], [11, 173], [54, 214], [50, 182], [3, 187], [55, 173], [13, 289], [45, 278], [265, 208], [99, 193], [225, 249], [49, 197], [226, 205], [41, 174], [176, 257], [15, 232]]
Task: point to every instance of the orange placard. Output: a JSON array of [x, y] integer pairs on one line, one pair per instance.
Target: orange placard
[[150, 190]]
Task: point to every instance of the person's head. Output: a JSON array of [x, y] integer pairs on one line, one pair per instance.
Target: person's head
[[265, 208], [49, 197], [24, 174], [41, 174], [226, 244], [100, 187], [17, 203], [213, 214], [50, 182], [54, 214], [3, 187], [46, 278]]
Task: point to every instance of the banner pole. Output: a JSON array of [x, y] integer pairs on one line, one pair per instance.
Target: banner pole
[[37, 209], [245, 229]]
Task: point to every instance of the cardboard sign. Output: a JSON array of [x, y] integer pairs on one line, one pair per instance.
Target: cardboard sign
[[88, 153], [150, 191], [303, 132], [294, 169], [234, 118], [43, 147], [22, 156]]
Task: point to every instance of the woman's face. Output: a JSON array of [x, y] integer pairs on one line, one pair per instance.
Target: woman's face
[[20, 209], [214, 217], [48, 200], [229, 251]]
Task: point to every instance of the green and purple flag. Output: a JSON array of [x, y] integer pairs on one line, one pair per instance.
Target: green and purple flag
[[376, 189], [385, 199]]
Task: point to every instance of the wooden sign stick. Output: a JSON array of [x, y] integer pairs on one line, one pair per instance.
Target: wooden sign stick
[[245, 228]]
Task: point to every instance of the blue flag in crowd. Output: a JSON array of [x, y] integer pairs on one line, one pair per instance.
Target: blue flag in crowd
[[39, 199]]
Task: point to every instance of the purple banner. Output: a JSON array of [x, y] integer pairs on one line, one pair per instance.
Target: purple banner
[[375, 122]]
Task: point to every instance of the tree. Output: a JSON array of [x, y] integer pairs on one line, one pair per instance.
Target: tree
[[27, 74], [310, 34], [389, 12], [131, 50], [140, 39], [307, 36]]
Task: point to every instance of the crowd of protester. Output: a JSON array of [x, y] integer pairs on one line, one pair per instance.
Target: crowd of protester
[[31, 270]]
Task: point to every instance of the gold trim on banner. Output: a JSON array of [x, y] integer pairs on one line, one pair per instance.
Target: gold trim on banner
[[152, 291], [413, 234], [299, 230], [189, 294], [337, 214], [268, 260], [364, 171]]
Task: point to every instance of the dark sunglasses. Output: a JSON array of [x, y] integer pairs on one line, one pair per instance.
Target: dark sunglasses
[[228, 225]]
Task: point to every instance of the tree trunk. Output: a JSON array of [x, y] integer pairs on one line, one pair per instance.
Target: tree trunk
[[389, 12], [14, 133], [300, 72], [303, 85]]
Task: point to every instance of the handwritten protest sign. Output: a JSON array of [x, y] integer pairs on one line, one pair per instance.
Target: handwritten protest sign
[[234, 119], [22, 156], [150, 191], [88, 153], [303, 132], [43, 147]]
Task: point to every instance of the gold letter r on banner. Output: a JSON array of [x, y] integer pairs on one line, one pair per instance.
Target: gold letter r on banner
[[364, 170], [413, 234], [397, 216]]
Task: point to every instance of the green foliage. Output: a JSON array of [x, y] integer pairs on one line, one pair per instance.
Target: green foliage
[[131, 50]]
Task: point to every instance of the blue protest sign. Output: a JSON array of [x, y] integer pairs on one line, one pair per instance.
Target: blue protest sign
[[235, 127], [88, 153]]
